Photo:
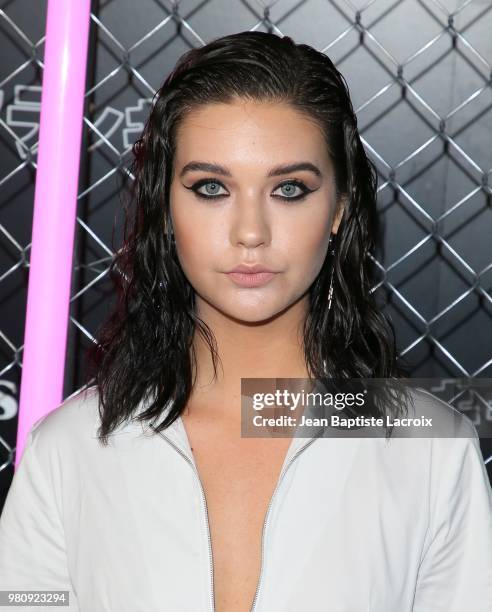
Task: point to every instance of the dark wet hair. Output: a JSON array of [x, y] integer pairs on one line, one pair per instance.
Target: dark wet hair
[[144, 350]]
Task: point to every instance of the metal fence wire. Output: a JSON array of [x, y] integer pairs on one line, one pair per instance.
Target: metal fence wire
[[420, 77]]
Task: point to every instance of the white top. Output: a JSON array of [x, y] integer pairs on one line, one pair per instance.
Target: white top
[[355, 525]]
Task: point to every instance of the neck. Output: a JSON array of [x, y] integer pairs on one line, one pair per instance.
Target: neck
[[268, 349]]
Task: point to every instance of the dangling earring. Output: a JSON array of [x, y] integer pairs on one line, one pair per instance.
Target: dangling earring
[[330, 291], [331, 252]]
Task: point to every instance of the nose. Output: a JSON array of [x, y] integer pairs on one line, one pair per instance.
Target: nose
[[250, 227]]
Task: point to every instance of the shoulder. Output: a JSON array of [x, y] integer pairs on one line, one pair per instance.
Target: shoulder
[[74, 420], [447, 421], [457, 465], [77, 413], [70, 431], [443, 444]]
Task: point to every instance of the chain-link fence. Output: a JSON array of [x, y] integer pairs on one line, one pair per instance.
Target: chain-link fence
[[420, 77]]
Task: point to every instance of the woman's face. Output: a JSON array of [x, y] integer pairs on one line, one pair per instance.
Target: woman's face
[[252, 184]]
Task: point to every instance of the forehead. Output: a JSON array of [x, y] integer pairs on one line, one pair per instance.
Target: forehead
[[253, 131]]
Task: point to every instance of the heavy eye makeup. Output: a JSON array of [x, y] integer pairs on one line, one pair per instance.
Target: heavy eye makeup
[[293, 186]]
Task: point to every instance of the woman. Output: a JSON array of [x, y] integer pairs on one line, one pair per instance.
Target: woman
[[255, 212]]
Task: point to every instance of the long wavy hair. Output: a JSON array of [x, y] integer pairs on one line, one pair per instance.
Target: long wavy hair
[[144, 350]]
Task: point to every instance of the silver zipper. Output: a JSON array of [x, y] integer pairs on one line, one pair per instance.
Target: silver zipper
[[210, 556], [296, 454], [204, 500]]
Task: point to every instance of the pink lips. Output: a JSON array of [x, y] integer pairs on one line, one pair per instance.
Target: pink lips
[[251, 276]]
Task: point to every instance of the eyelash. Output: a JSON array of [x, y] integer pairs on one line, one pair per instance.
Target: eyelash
[[295, 182]]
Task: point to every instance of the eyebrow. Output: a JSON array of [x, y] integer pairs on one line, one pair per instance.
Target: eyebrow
[[276, 171]]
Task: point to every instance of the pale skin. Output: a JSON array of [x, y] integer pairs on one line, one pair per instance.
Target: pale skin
[[257, 329]]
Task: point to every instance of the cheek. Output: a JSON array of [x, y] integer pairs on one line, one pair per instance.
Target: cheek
[[305, 246], [188, 248], [197, 247], [187, 236]]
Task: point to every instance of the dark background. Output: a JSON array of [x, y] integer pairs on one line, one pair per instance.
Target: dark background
[[420, 76]]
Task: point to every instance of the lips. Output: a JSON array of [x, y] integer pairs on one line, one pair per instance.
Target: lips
[[251, 276], [250, 269]]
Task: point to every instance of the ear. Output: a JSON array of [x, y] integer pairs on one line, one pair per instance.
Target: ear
[[338, 214]]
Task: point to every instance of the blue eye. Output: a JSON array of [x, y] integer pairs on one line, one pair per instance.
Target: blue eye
[[211, 189], [289, 190]]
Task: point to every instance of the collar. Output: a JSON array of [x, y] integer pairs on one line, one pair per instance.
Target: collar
[[176, 432]]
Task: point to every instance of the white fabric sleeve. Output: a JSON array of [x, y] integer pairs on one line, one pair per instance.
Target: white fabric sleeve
[[456, 569], [32, 542]]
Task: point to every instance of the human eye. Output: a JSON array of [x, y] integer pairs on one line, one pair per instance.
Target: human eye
[[211, 186], [289, 190]]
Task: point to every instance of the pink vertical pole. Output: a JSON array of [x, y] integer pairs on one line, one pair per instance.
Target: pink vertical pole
[[55, 204]]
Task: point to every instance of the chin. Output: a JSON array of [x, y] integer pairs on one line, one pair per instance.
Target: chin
[[258, 312], [252, 306]]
